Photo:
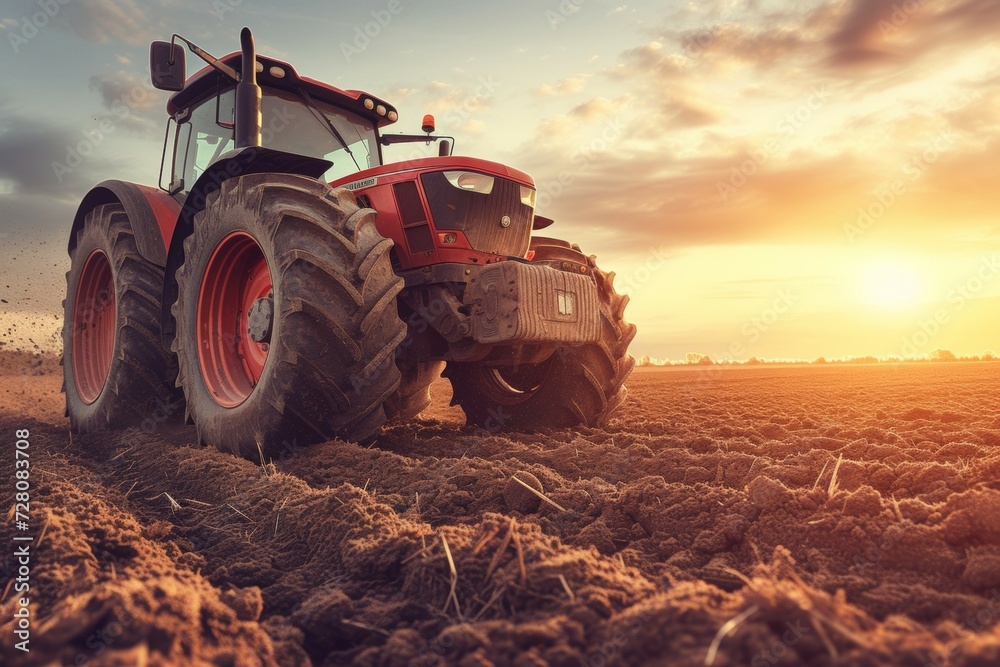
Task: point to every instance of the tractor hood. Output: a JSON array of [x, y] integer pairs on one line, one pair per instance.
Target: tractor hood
[[449, 209], [363, 179]]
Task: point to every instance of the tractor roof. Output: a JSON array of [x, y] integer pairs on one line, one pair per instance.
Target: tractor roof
[[277, 74]]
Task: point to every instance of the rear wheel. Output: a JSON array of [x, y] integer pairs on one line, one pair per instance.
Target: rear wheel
[[286, 317], [575, 386], [116, 371]]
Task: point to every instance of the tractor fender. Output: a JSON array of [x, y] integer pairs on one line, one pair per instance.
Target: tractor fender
[[151, 212], [235, 163]]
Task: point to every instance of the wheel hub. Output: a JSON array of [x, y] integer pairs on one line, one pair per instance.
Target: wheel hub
[[95, 322], [260, 320], [235, 316]]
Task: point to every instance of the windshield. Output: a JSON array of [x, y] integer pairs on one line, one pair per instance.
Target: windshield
[[290, 125]]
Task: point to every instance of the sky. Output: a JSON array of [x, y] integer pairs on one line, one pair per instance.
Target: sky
[[767, 178]]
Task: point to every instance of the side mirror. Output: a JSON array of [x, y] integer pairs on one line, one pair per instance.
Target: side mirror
[[166, 66]]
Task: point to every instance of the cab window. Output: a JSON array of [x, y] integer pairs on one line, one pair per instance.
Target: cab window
[[289, 124]]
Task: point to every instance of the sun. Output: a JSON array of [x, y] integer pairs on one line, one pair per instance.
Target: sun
[[890, 284]]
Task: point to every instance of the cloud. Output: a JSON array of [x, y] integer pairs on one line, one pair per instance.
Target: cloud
[[403, 93], [471, 126], [28, 150], [706, 98], [859, 37], [874, 32], [131, 100], [459, 102], [598, 108], [848, 39], [978, 113], [126, 88], [650, 60], [568, 86], [769, 189], [735, 43], [108, 21], [686, 109], [665, 86]]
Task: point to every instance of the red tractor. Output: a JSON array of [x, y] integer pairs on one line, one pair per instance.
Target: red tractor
[[296, 289]]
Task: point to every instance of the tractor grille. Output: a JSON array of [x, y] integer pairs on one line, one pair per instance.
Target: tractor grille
[[479, 216], [411, 210]]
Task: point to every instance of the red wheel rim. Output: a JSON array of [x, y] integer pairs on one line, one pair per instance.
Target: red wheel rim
[[95, 322], [231, 361]]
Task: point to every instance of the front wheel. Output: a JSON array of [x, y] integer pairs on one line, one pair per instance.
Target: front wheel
[[286, 317], [575, 386]]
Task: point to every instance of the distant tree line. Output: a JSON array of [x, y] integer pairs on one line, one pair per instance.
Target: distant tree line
[[934, 356]]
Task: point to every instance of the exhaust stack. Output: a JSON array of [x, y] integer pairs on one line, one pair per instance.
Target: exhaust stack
[[248, 96]]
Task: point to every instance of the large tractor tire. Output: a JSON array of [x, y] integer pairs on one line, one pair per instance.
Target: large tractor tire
[[286, 317], [116, 371], [414, 392], [575, 386]]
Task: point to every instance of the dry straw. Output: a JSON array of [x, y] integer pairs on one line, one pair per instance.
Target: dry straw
[[539, 494], [452, 596]]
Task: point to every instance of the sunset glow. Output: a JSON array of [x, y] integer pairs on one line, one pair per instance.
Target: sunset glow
[[712, 154], [892, 285]]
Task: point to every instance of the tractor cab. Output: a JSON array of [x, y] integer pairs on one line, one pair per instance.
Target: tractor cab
[[298, 115], [435, 209]]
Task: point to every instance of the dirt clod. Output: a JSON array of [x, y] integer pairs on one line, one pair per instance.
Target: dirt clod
[[520, 499]]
